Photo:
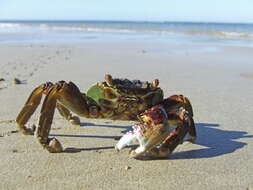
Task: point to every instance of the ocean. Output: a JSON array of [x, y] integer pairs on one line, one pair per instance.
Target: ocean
[[220, 34]]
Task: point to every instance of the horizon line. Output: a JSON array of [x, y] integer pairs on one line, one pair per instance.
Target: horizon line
[[123, 20]]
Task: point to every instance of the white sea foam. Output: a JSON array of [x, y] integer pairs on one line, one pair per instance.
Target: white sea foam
[[83, 28], [221, 34], [9, 25], [191, 29], [136, 29]]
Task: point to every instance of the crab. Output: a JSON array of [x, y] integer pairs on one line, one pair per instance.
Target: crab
[[161, 124]]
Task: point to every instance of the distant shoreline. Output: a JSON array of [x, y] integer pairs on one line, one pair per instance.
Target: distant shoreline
[[120, 21]]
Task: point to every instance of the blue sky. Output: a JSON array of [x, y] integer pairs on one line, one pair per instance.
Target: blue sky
[[136, 10]]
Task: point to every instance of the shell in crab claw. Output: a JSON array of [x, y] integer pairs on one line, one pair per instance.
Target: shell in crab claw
[[149, 136]]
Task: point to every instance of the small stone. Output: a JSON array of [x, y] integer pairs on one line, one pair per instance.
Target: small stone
[[15, 131], [16, 81], [14, 150], [127, 167]]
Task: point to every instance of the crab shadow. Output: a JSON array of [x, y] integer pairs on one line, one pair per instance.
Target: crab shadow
[[215, 141], [75, 150], [126, 128]]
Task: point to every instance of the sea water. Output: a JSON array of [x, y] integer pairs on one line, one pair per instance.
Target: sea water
[[214, 34]]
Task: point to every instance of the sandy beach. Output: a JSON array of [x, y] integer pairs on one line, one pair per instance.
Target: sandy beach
[[218, 83]]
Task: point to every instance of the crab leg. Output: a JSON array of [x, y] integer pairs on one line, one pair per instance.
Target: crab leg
[[69, 96], [30, 106], [66, 114]]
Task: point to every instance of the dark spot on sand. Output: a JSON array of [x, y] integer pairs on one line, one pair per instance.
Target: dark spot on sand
[[247, 75], [17, 81], [14, 150], [98, 151]]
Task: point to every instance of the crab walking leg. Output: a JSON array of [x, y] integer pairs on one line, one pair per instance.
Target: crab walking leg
[[30, 106], [45, 121], [70, 97], [65, 113]]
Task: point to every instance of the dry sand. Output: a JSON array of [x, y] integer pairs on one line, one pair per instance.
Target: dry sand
[[219, 84]]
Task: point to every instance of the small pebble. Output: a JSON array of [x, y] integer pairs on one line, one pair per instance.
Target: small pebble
[[98, 151], [127, 167], [16, 81]]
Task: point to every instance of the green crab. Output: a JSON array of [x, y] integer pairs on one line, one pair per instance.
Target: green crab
[[117, 99]]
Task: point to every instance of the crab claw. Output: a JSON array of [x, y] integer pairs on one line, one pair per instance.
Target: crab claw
[[157, 153], [154, 153]]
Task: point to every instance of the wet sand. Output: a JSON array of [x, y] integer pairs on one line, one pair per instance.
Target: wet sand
[[219, 85]]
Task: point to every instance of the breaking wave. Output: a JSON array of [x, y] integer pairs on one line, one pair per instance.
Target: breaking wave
[[221, 34], [9, 25], [217, 30]]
